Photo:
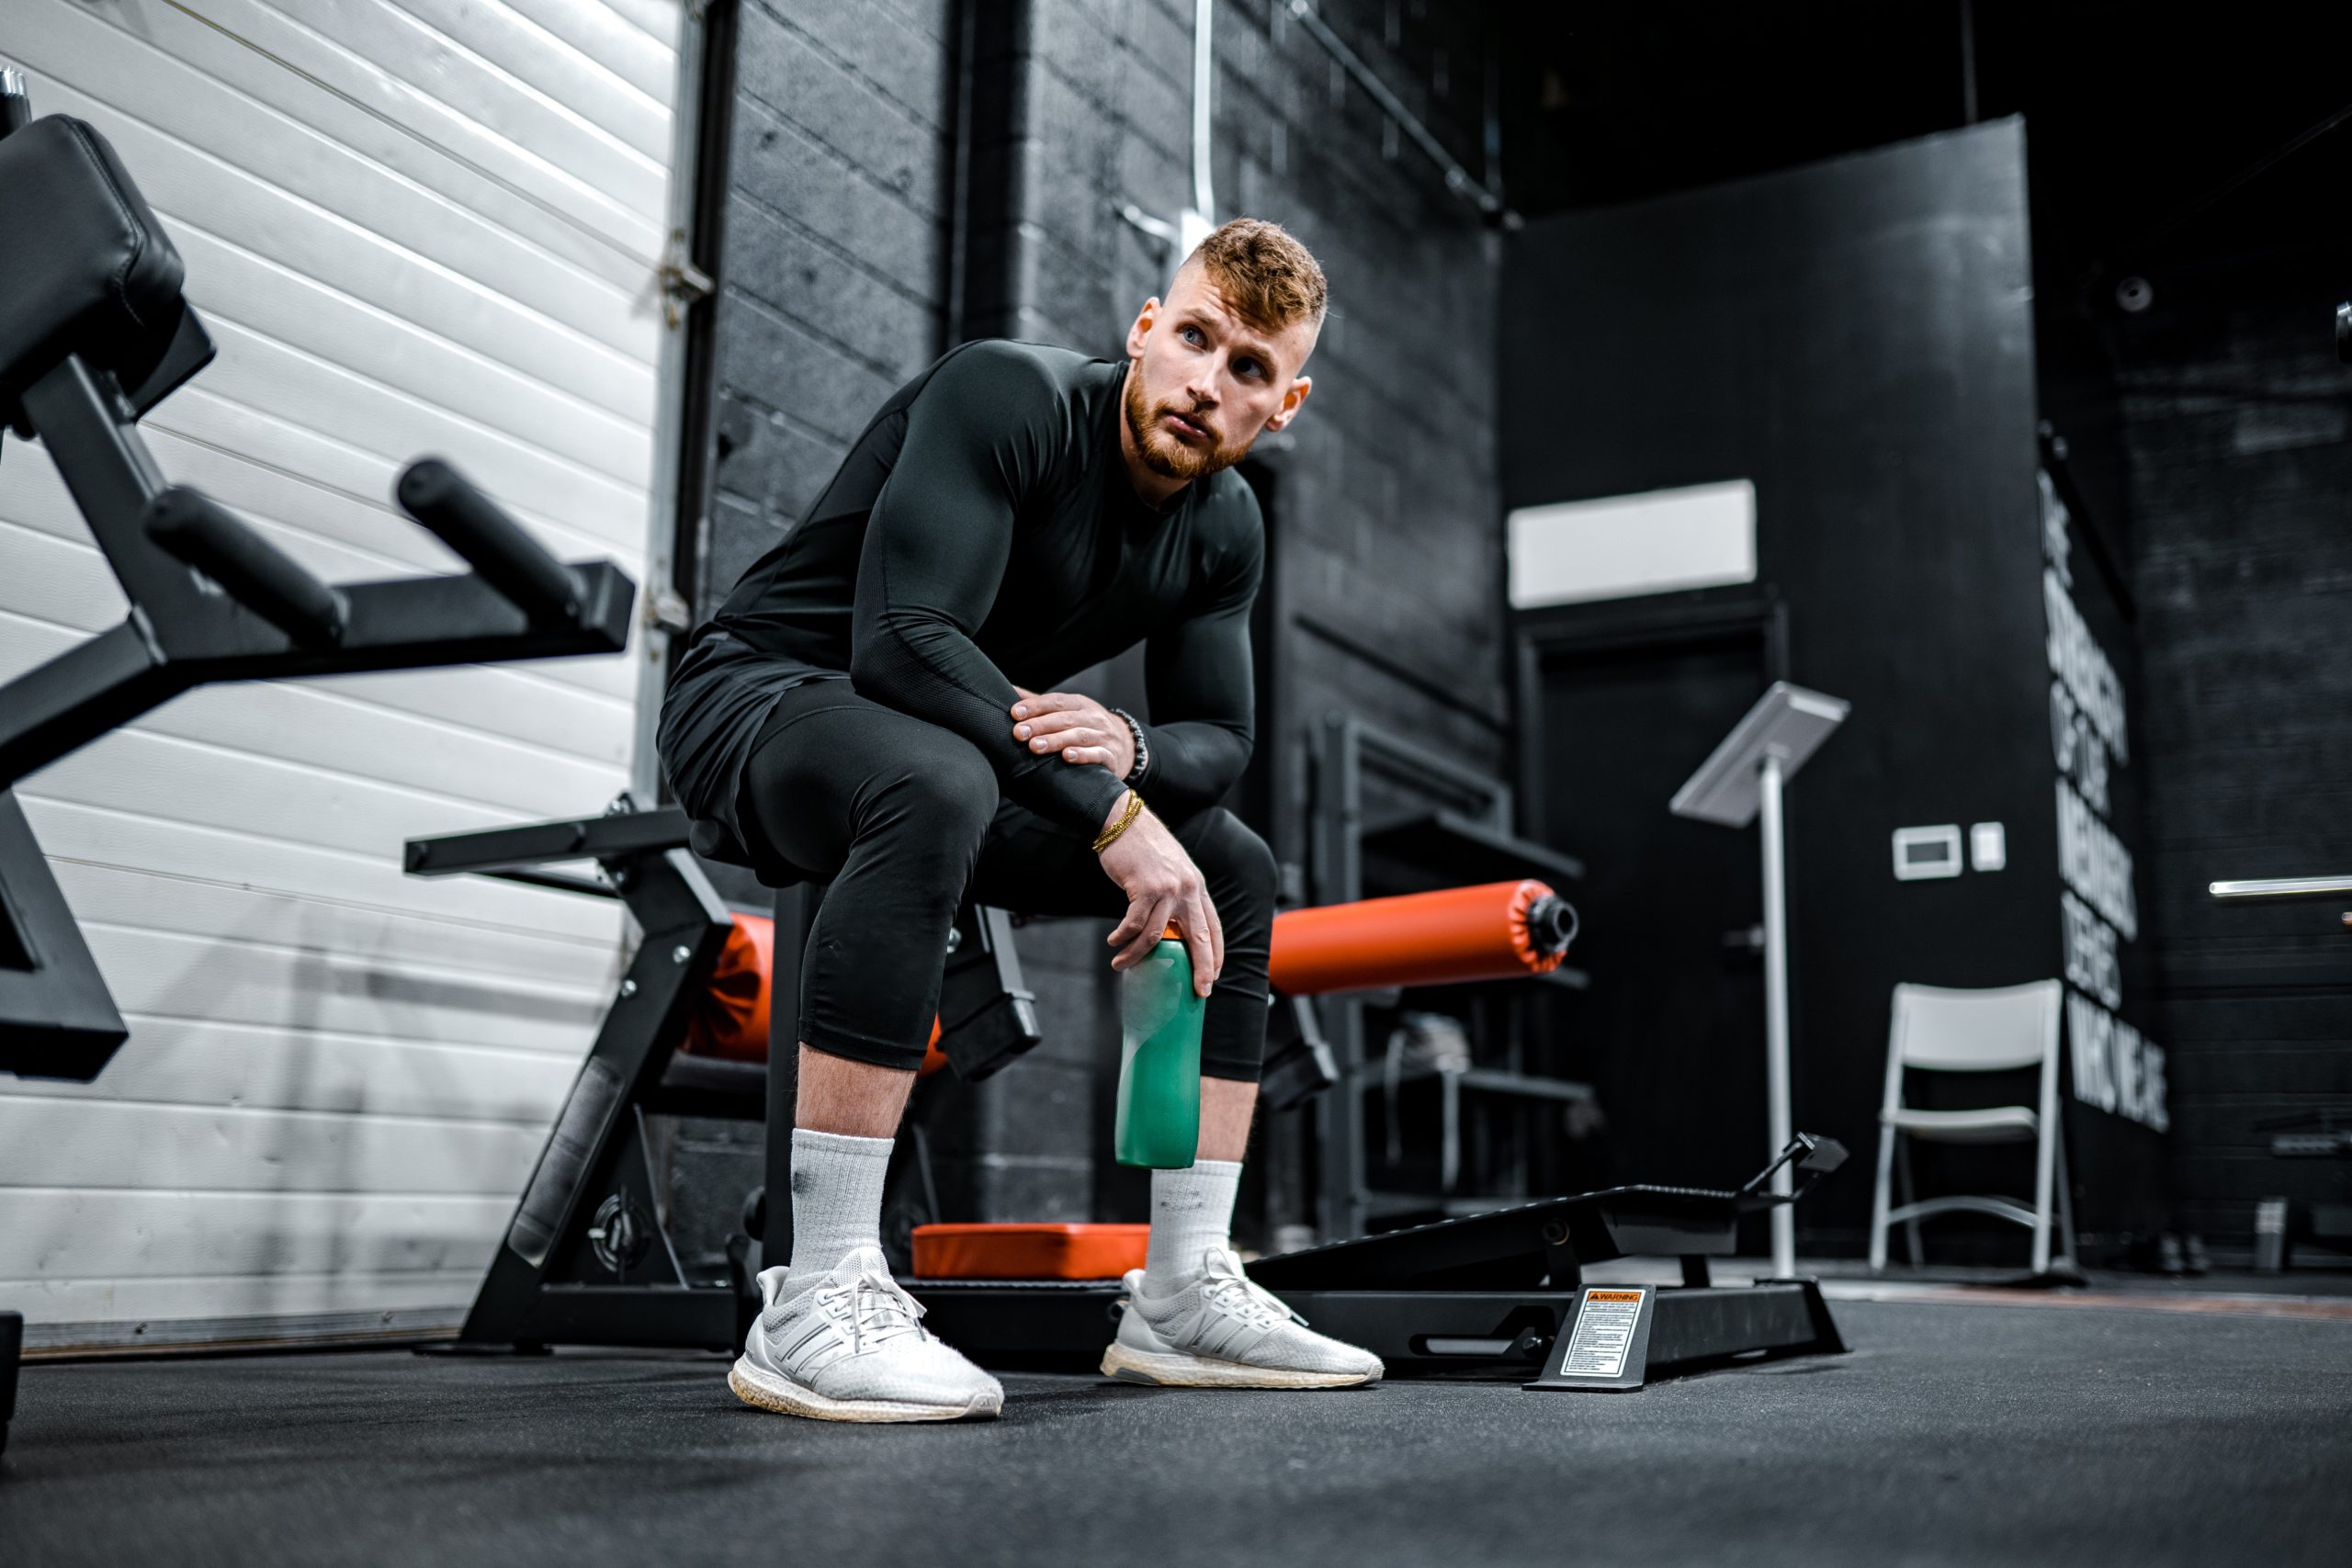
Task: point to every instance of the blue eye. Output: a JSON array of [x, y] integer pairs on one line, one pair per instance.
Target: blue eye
[[1248, 367]]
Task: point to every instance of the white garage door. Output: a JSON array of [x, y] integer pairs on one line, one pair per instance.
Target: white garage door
[[422, 226]]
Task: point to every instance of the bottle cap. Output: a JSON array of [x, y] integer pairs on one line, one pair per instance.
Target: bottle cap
[[1172, 933]]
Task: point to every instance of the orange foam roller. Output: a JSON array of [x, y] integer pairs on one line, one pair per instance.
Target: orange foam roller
[[730, 1018], [1493, 931]]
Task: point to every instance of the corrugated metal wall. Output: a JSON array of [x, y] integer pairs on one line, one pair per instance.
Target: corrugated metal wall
[[430, 226]]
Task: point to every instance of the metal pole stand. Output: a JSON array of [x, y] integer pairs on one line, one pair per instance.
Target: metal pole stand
[[1745, 778]]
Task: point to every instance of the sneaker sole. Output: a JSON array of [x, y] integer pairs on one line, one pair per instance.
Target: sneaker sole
[[1182, 1369], [763, 1390]]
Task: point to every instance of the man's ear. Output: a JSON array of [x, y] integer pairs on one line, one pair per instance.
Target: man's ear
[[1142, 328], [1294, 398]]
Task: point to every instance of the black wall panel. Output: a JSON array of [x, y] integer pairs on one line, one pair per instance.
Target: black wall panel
[[1856, 338], [2237, 425]]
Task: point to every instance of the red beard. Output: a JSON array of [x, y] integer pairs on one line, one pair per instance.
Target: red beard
[[1163, 453]]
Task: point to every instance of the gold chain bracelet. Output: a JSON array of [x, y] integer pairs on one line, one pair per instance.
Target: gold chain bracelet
[[1111, 834]]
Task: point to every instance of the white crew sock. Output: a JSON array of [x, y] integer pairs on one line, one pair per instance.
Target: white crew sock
[[1192, 1211], [836, 1200]]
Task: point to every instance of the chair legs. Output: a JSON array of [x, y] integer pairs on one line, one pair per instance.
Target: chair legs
[[1879, 1203], [1910, 1194], [2065, 1199], [2055, 1199], [2042, 1183], [1894, 1198]]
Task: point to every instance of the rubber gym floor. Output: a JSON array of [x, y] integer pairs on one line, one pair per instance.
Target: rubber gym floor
[[1957, 1430]]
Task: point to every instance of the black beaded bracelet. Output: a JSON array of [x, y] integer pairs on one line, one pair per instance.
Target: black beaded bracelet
[[1143, 747]]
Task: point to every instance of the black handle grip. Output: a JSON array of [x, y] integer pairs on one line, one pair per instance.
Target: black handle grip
[[1551, 924], [494, 544], [257, 574]]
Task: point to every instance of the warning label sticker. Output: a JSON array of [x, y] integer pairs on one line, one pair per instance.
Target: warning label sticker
[[1604, 1332]]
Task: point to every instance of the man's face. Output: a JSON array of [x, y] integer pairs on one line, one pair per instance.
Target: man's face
[[1205, 380]]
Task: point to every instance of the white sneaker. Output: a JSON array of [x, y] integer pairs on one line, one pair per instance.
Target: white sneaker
[[849, 1348], [1224, 1330]]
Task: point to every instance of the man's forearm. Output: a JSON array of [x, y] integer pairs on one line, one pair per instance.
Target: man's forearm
[[929, 671], [1194, 764]]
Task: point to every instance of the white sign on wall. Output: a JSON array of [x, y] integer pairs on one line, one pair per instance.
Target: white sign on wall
[[2116, 1068], [1619, 545]]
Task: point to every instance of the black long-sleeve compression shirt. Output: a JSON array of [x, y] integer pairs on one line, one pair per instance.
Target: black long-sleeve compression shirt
[[982, 532]]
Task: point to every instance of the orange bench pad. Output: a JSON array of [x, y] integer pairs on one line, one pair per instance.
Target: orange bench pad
[[1028, 1251]]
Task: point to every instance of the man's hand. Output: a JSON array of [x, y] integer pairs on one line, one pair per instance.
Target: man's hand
[[1163, 886], [1080, 728]]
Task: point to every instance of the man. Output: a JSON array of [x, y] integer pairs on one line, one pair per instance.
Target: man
[[866, 708]]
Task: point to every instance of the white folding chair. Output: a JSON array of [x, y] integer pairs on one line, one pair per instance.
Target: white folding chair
[[1939, 1029]]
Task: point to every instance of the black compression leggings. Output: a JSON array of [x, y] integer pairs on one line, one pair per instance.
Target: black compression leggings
[[904, 818]]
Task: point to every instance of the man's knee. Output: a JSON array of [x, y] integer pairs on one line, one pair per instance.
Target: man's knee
[[1229, 850], [947, 796]]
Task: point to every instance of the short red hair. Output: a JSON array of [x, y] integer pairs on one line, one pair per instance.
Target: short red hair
[[1265, 274]]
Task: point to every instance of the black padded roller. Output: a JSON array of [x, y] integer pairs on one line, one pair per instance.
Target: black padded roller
[[257, 573], [490, 542]]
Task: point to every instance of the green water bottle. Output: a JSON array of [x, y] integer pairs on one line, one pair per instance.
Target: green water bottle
[[1159, 1059]]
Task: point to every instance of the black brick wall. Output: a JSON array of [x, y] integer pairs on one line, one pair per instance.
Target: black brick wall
[[2238, 428], [1388, 519], [831, 287], [839, 262], [832, 280]]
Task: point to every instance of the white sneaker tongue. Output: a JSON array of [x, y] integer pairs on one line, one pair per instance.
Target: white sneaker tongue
[[862, 1260], [1220, 1260]]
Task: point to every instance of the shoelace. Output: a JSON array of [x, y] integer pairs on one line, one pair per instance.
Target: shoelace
[[879, 1310], [1247, 1299]]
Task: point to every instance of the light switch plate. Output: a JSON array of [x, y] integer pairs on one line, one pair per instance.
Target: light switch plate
[[1923, 853]]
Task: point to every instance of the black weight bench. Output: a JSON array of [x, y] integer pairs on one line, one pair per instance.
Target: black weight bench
[[94, 332], [587, 1258]]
